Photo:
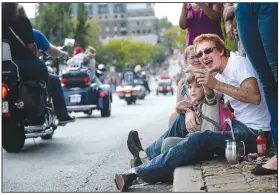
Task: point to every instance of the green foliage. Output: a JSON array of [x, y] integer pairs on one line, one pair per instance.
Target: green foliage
[[165, 23], [92, 34], [81, 26], [54, 21], [125, 50], [174, 37]]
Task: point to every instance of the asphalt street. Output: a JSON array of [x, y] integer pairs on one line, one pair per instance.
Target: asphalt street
[[85, 155]]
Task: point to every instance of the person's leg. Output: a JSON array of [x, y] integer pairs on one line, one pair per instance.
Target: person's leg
[[194, 147], [57, 95], [32, 69], [259, 36], [268, 14], [177, 129]]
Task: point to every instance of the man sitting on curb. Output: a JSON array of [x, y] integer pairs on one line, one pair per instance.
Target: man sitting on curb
[[237, 80]]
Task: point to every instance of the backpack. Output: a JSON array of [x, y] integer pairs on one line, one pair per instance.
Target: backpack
[[224, 113]]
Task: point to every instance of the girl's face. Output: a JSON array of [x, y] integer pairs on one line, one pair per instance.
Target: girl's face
[[191, 59], [196, 91]]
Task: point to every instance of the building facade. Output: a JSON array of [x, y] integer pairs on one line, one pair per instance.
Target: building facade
[[118, 20]]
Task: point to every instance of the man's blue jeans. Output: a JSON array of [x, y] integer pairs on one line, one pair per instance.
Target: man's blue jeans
[[258, 30], [54, 86], [195, 146]]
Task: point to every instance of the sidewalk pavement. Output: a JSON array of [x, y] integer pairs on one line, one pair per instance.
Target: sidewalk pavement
[[218, 176]]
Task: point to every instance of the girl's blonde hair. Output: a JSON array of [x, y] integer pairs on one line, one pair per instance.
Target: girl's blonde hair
[[187, 51], [90, 50]]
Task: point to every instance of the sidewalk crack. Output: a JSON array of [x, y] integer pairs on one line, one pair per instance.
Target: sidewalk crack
[[204, 187]]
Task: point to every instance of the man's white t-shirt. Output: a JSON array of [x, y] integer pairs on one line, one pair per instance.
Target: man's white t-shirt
[[253, 116]]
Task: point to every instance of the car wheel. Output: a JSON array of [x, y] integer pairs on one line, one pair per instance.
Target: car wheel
[[106, 111]]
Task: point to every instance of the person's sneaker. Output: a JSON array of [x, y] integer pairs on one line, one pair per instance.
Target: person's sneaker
[[124, 181], [68, 119]]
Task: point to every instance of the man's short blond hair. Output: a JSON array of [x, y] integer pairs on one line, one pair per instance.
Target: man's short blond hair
[[219, 43]]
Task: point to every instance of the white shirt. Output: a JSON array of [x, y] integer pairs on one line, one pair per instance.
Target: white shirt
[[253, 116]]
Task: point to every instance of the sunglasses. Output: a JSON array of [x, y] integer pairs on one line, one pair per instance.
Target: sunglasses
[[206, 51]]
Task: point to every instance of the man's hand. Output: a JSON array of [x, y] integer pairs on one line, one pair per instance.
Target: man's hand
[[230, 30], [200, 4], [205, 78], [191, 122], [182, 106], [64, 54], [228, 13]]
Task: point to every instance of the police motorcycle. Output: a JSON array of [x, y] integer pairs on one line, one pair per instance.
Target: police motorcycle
[[84, 92], [27, 107]]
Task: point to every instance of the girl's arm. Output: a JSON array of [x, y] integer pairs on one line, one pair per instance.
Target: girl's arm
[[214, 13], [183, 17]]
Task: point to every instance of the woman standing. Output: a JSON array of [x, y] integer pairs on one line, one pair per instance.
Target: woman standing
[[201, 18]]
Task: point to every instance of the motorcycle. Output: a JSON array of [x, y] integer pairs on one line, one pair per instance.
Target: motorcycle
[[84, 92], [27, 107], [130, 93]]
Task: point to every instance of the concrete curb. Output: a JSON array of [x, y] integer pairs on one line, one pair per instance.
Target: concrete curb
[[218, 176], [188, 179]]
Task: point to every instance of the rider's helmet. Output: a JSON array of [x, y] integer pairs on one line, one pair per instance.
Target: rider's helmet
[[101, 69], [137, 68], [77, 50]]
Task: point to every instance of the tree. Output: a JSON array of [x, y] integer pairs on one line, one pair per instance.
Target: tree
[[92, 34], [165, 23], [54, 20], [174, 37], [81, 27], [125, 50]]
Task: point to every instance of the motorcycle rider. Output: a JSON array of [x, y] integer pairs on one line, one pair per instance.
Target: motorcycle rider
[[87, 59], [18, 31], [101, 73], [129, 75], [54, 84], [142, 74]]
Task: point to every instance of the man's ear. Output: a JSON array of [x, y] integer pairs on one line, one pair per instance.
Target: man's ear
[[222, 52]]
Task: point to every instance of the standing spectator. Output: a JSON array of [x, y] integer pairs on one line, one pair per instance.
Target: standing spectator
[[258, 30], [230, 28], [201, 18]]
